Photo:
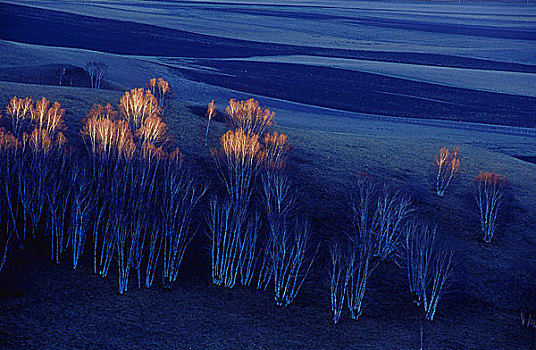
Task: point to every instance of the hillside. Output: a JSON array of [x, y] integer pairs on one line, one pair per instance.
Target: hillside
[[197, 314]]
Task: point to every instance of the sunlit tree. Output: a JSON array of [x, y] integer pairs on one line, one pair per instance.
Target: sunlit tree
[[448, 167], [490, 191], [249, 116]]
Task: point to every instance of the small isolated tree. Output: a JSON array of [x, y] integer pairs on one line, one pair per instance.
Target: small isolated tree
[[429, 264], [96, 72], [249, 116], [211, 113], [490, 191], [448, 166]]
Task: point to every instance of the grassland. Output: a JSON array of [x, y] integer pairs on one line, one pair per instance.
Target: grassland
[[324, 165]]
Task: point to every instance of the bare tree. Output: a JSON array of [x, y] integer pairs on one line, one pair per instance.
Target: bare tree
[[290, 260], [58, 197], [80, 212], [5, 239], [363, 204], [96, 72], [429, 264], [12, 158], [19, 112], [279, 199], [419, 245], [448, 166], [180, 196], [490, 197], [392, 211], [340, 271], [233, 242], [155, 246], [442, 273], [379, 210], [361, 264]]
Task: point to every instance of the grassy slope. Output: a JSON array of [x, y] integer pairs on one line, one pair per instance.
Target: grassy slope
[[197, 314]]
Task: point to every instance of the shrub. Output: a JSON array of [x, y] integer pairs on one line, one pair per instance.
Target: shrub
[[249, 116], [490, 197], [448, 166]]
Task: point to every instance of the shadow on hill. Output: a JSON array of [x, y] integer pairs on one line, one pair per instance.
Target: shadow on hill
[[529, 159], [51, 74], [201, 111]]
